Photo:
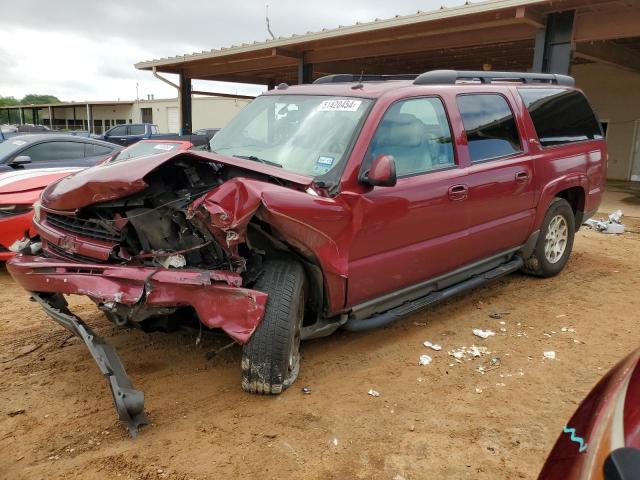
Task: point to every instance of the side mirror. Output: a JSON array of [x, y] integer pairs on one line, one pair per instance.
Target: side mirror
[[20, 160], [382, 172]]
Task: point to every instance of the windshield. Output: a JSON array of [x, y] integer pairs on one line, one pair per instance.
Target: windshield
[[142, 149], [11, 145], [308, 135]]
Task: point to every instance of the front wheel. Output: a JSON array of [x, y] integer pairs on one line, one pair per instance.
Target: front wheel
[[271, 358], [555, 241]]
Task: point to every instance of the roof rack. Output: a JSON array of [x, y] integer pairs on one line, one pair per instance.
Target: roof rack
[[449, 77], [349, 78]]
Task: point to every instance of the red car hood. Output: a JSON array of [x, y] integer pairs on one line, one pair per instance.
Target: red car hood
[[608, 419], [120, 179], [32, 179]]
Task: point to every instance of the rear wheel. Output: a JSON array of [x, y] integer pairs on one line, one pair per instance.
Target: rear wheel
[[271, 358], [555, 241]]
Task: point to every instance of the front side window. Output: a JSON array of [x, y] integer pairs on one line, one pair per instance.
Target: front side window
[[304, 134], [560, 116], [416, 134], [55, 151], [118, 131], [490, 127]]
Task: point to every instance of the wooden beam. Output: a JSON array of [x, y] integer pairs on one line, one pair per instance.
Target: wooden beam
[[262, 64], [610, 54], [424, 43], [607, 25], [531, 18], [285, 52]]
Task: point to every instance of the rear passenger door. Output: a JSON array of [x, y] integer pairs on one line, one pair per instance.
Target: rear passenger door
[[500, 176], [416, 229]]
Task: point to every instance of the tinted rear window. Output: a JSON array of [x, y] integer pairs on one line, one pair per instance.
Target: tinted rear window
[[560, 116], [490, 127]]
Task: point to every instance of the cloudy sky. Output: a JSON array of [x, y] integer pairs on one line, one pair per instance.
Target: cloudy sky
[[85, 50]]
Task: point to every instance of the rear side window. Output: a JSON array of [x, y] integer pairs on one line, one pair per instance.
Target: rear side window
[[416, 133], [490, 127], [560, 116], [91, 150]]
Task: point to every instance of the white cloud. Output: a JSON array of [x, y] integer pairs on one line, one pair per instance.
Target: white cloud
[[86, 50]]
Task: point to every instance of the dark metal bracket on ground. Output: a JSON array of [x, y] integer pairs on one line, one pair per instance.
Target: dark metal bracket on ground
[[128, 401]]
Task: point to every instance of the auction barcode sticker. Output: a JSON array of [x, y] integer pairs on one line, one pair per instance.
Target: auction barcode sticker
[[165, 146], [339, 105]]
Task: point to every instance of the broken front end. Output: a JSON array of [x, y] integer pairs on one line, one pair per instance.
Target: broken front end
[[161, 245]]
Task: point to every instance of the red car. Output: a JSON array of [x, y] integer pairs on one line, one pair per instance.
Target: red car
[[145, 148], [18, 192], [344, 204], [602, 439]]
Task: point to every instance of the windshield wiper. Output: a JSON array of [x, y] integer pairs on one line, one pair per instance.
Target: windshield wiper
[[258, 159]]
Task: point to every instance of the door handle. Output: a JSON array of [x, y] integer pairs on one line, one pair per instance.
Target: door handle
[[458, 192], [522, 177]]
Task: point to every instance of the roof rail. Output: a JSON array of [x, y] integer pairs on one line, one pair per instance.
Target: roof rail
[[349, 78], [449, 77]]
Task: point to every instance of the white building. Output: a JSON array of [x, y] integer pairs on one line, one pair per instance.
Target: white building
[[208, 112]]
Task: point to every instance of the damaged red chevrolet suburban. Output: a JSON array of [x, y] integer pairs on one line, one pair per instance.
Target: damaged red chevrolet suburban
[[343, 204]]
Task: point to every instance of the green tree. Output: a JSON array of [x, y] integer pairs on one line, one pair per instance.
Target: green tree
[[6, 101], [34, 99]]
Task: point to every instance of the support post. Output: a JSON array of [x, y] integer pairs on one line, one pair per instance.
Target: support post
[[305, 71], [552, 51], [21, 116], [50, 117], [89, 119], [184, 99]]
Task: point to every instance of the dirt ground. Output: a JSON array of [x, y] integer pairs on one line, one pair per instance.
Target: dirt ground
[[444, 420]]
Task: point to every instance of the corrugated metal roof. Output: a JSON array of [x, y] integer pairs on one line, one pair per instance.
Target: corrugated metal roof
[[399, 20]]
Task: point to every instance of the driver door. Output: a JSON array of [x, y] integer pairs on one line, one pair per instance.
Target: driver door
[[415, 230]]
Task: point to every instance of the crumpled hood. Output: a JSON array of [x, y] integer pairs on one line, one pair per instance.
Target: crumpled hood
[[31, 179], [115, 180]]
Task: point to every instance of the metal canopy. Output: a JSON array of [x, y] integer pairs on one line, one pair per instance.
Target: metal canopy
[[497, 35]]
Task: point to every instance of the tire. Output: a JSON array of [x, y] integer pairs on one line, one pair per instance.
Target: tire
[[271, 358], [555, 242]]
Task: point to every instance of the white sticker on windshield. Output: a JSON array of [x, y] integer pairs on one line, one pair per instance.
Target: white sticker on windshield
[[19, 142], [164, 146], [339, 105]]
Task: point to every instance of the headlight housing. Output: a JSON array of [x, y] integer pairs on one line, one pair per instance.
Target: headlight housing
[[11, 210]]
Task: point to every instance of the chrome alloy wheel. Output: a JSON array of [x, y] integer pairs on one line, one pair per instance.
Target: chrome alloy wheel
[[555, 240]]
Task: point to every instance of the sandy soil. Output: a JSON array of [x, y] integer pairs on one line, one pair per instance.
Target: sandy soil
[[444, 420]]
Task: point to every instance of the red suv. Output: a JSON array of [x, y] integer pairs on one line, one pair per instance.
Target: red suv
[[347, 203]]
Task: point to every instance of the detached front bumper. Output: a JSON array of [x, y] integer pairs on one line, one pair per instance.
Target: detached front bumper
[[216, 296]]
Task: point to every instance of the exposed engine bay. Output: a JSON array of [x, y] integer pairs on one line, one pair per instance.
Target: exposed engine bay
[[168, 225]]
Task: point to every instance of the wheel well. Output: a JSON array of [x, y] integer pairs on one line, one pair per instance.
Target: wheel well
[[575, 197]]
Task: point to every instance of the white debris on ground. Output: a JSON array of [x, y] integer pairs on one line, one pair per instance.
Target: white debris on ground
[[432, 346], [478, 390], [425, 359], [483, 333], [373, 393], [473, 352], [551, 355], [612, 224], [334, 442]]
